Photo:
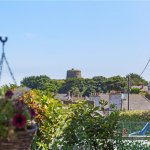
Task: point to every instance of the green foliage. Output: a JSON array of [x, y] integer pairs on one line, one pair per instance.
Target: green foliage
[[82, 87], [135, 116], [85, 87], [74, 124], [100, 84], [79, 125], [116, 83], [4, 88], [136, 79], [135, 91], [42, 82], [89, 91], [71, 85]]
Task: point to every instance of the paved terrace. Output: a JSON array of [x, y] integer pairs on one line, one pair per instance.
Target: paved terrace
[[137, 102]]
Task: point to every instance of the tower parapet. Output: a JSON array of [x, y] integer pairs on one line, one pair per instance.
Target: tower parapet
[[73, 73]]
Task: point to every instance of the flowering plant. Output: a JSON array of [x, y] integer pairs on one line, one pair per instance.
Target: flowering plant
[[15, 115]]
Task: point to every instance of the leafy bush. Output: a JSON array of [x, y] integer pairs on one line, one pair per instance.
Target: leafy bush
[[80, 126], [135, 116], [135, 91], [75, 124]]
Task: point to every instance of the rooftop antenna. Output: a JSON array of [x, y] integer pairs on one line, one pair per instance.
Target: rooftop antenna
[[3, 58]]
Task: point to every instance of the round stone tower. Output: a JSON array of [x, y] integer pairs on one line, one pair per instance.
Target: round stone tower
[[73, 73]]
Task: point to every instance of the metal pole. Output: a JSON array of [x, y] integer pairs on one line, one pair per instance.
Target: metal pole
[[128, 91], [3, 47], [4, 59], [121, 103], [3, 54]]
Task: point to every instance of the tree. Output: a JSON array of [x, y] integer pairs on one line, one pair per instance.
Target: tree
[[70, 84], [83, 87], [89, 91], [41, 82], [75, 91], [136, 79], [100, 83], [116, 83]]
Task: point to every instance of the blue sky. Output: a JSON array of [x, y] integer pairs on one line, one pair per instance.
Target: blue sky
[[99, 38]]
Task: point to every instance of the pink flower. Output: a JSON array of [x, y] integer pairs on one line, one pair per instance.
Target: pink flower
[[19, 121], [9, 94]]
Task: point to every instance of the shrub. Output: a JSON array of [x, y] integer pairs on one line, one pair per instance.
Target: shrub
[[134, 116], [74, 124], [79, 125], [135, 91], [133, 120]]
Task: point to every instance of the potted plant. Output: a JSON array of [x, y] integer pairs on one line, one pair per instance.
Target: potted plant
[[17, 125]]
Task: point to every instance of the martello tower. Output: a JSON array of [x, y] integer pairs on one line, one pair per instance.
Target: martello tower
[[73, 73]]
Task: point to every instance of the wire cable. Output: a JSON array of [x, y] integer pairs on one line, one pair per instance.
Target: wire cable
[[145, 67]]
